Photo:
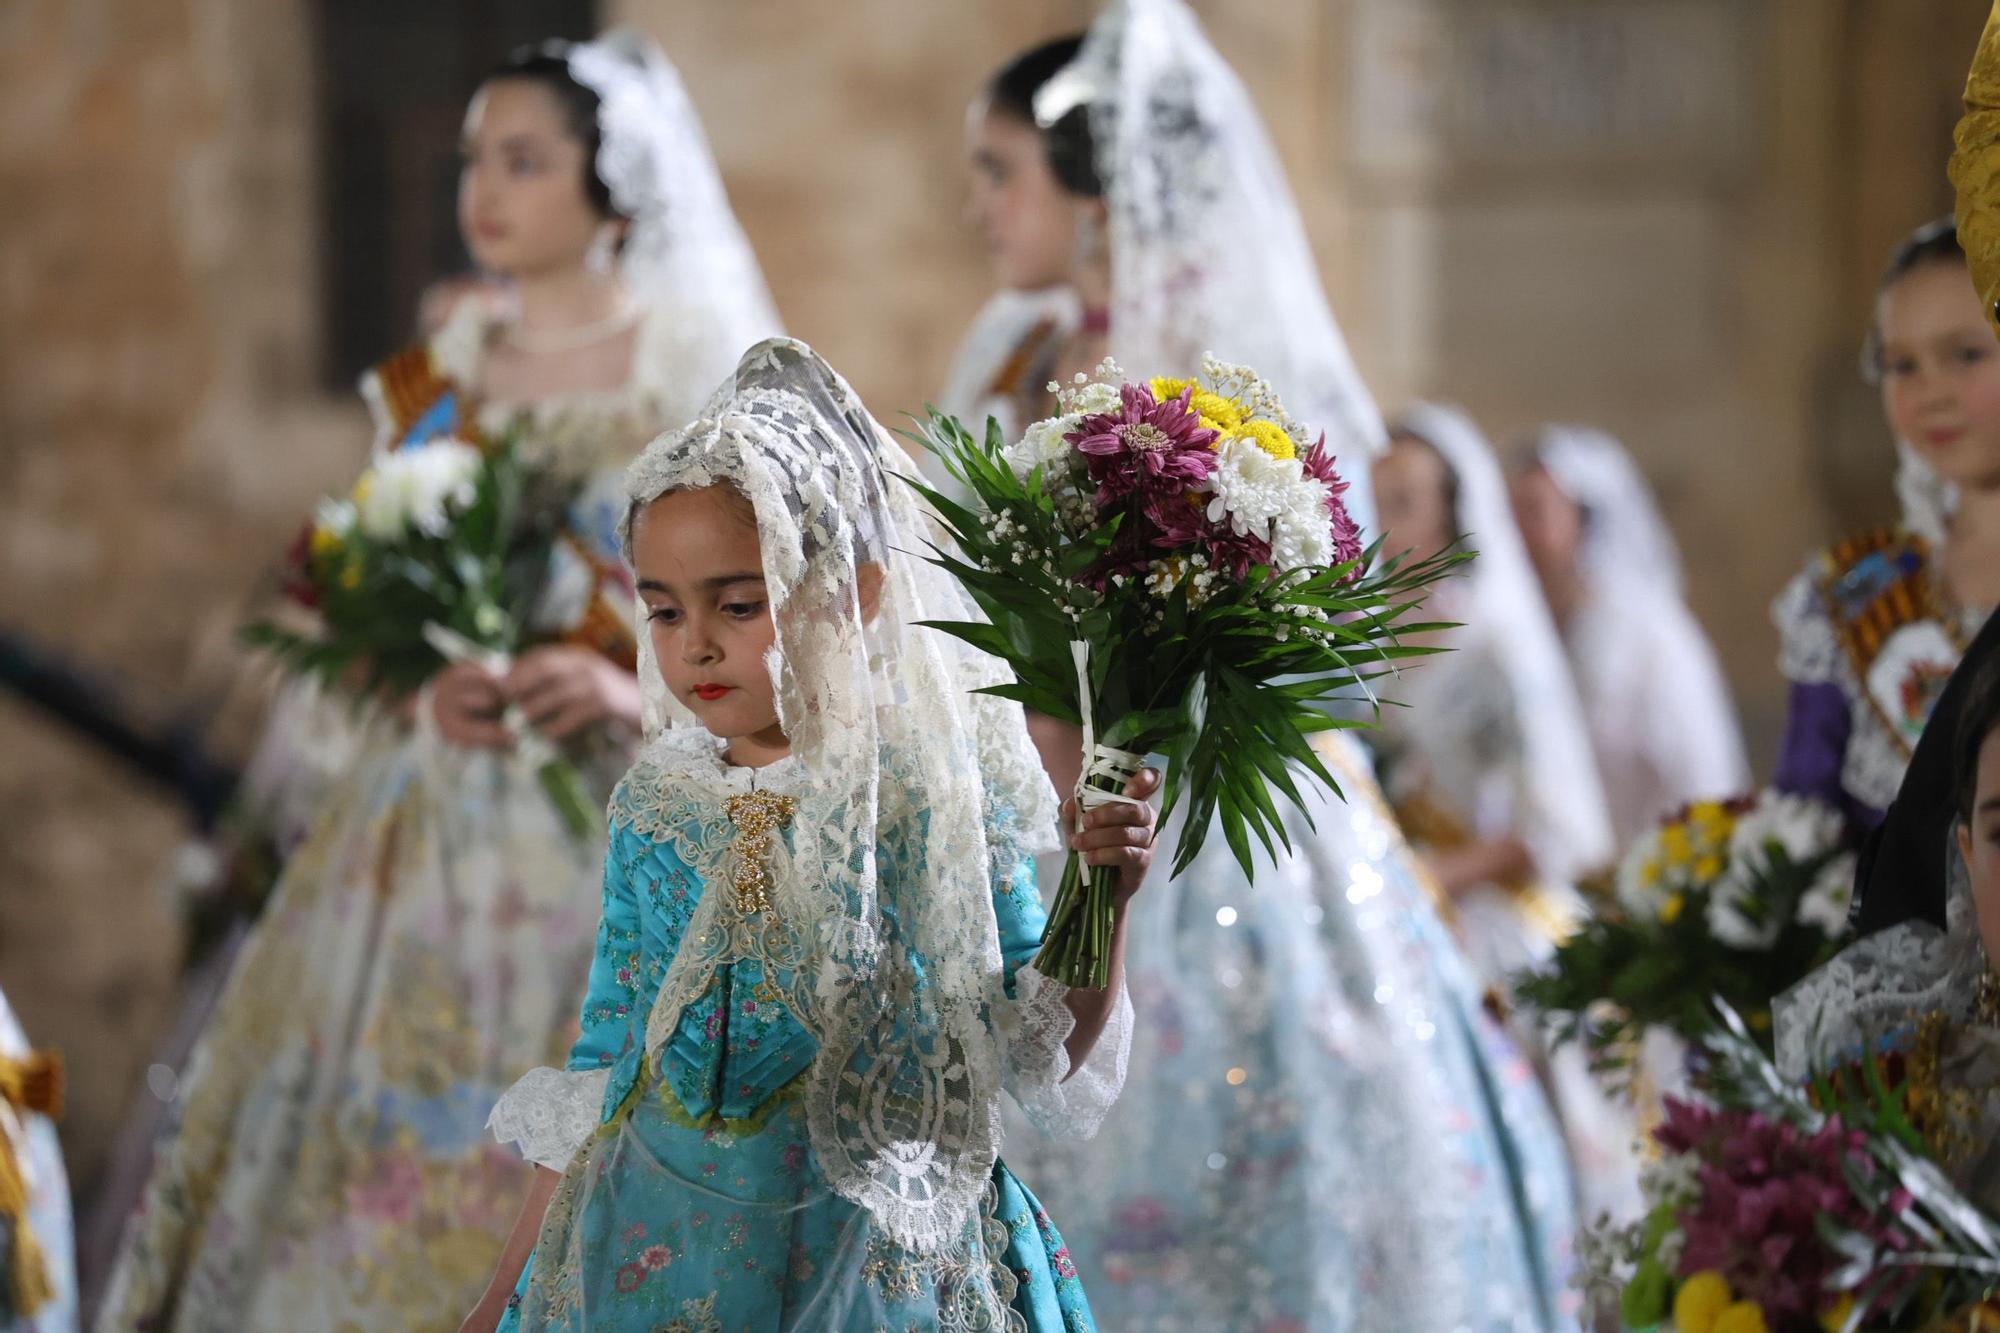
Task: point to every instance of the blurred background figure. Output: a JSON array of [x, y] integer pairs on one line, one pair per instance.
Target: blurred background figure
[[1489, 767], [1661, 722], [1874, 625]]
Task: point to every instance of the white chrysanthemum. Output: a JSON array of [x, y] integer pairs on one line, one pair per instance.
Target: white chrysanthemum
[[1043, 445], [1824, 905], [1730, 921], [417, 488], [1803, 828], [1638, 879], [1272, 498], [335, 518], [1801, 825]]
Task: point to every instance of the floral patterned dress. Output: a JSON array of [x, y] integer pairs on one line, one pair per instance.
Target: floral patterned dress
[[695, 1204], [31, 1160], [424, 946]]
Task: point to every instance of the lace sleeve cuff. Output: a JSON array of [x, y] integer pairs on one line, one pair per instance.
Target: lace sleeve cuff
[[1808, 652], [1058, 1102], [550, 1113]]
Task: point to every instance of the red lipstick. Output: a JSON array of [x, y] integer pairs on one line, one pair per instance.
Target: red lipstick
[[710, 693]]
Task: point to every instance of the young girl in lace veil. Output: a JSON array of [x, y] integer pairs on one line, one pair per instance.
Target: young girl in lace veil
[[819, 903]]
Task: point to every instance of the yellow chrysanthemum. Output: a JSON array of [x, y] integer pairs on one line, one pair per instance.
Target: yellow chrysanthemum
[[1708, 867], [1700, 1302], [1650, 872], [350, 577], [1742, 1317], [1217, 412], [1676, 844], [1708, 814], [325, 543], [1268, 436], [1835, 1319], [1671, 909]]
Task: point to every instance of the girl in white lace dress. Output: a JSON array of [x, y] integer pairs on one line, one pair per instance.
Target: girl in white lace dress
[[427, 942]]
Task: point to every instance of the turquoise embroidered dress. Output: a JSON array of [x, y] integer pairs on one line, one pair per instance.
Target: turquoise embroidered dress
[[692, 1200]]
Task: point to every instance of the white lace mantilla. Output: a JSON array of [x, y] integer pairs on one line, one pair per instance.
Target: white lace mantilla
[[1880, 983]]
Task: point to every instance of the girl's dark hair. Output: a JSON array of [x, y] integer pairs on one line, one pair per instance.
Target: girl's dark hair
[[1072, 153], [546, 66], [1980, 720], [1936, 242]]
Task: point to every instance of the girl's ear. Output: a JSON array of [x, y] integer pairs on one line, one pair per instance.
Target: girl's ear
[[868, 582], [1963, 831]]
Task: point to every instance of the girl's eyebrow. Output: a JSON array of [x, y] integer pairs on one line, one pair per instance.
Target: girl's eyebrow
[[708, 584]]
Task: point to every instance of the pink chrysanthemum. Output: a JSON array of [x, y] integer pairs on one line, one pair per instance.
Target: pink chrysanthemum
[[1147, 447]]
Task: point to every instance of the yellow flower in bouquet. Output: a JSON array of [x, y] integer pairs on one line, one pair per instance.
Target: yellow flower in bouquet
[[1677, 845], [1701, 1301], [1742, 1317], [1268, 436], [1217, 413]]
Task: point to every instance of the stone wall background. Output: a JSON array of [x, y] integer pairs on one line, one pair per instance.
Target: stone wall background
[[1660, 216]]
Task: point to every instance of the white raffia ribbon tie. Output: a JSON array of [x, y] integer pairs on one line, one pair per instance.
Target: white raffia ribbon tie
[[1099, 761], [455, 648]]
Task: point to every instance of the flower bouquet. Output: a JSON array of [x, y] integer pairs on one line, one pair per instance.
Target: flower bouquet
[[1169, 565], [1771, 1211], [442, 552], [1737, 899]]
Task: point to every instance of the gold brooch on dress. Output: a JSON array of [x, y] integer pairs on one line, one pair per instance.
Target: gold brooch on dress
[[756, 814]]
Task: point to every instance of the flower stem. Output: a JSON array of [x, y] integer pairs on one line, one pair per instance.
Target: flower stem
[[563, 785], [1076, 947]]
